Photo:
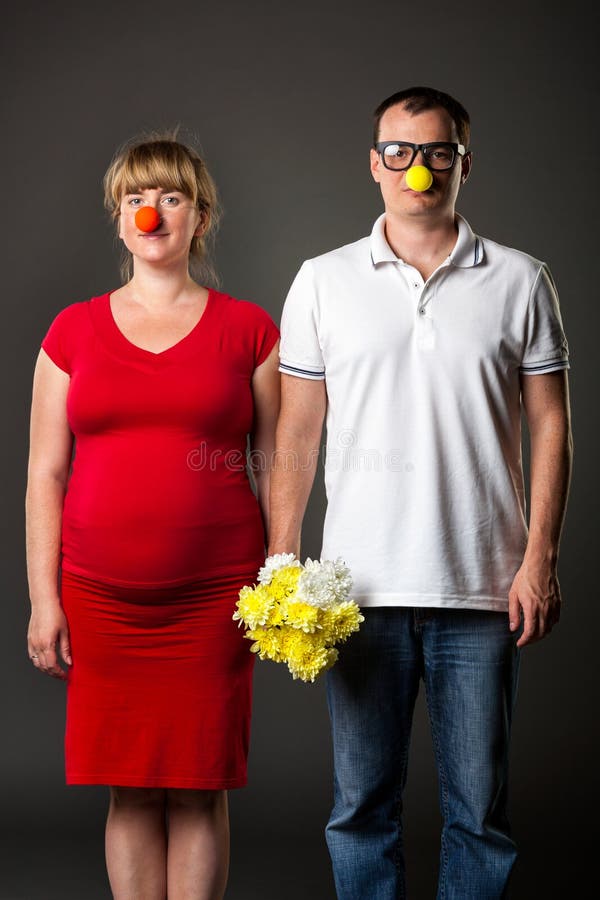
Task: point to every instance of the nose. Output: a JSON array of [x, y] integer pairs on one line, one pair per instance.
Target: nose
[[419, 178], [147, 219]]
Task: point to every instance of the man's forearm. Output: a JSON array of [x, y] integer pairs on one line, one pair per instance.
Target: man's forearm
[[292, 479], [551, 463]]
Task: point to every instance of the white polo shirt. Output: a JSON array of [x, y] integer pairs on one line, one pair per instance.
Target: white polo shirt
[[423, 474]]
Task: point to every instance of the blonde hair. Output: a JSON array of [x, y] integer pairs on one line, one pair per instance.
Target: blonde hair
[[158, 160]]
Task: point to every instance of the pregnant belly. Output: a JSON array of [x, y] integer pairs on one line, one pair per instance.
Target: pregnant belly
[[148, 528]]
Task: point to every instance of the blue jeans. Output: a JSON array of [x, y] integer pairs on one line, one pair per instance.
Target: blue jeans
[[469, 664]]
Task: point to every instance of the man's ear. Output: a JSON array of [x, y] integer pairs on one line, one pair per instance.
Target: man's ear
[[375, 164], [466, 163]]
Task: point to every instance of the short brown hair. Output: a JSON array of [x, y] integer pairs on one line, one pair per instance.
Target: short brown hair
[[159, 160], [418, 99]]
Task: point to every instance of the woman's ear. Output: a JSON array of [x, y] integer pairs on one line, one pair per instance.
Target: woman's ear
[[201, 226]]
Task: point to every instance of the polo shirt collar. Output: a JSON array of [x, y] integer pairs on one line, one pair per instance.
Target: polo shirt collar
[[380, 249], [468, 250]]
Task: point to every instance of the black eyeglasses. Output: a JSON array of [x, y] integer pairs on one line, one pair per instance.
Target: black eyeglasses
[[438, 155]]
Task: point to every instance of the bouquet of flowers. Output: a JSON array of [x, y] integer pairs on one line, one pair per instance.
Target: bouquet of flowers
[[296, 613]]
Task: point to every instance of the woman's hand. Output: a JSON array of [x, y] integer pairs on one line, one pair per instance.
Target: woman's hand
[[48, 629]]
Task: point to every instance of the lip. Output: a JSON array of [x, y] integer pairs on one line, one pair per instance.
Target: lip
[[153, 235]]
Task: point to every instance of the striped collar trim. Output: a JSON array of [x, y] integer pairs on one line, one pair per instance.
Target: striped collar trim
[[468, 250]]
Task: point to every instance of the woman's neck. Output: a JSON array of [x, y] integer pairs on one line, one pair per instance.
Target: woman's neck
[[161, 288]]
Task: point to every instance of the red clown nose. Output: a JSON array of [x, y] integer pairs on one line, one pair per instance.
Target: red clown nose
[[147, 219]]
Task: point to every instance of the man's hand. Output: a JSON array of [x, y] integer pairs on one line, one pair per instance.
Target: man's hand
[[534, 594]]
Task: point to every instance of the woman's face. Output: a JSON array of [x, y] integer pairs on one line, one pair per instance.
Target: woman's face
[[170, 242]]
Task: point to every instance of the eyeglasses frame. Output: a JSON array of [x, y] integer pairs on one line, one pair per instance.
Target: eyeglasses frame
[[458, 150]]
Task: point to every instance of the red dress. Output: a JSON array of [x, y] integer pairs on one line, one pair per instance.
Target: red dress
[[161, 529]]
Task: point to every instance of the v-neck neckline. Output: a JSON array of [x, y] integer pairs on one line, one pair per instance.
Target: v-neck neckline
[[124, 348]]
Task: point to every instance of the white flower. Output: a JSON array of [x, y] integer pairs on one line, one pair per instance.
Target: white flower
[[324, 583], [275, 562]]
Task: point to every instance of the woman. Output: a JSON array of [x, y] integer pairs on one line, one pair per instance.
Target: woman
[[137, 552]]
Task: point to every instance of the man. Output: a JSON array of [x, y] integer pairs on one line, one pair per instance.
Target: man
[[422, 344]]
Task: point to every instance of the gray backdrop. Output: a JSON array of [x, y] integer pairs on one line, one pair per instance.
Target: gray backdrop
[[279, 96]]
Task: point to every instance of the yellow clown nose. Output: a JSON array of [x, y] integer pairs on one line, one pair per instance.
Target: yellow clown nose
[[419, 178]]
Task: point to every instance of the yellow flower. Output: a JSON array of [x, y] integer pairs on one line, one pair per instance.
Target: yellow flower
[[297, 644], [302, 616], [340, 621], [278, 613], [313, 662], [284, 582], [254, 605], [267, 643], [304, 652]]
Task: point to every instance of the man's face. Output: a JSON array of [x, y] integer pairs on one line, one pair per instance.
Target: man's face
[[431, 125]]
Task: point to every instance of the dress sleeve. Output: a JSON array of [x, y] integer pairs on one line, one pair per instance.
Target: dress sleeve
[[265, 337], [300, 352], [58, 341], [545, 347]]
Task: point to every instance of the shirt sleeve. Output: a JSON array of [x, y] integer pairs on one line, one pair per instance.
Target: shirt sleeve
[[57, 342], [300, 352], [545, 347]]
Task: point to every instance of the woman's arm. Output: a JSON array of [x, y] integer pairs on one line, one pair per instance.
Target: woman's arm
[[266, 393], [50, 447]]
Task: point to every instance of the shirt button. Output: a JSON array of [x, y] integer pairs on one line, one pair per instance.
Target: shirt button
[[421, 310]]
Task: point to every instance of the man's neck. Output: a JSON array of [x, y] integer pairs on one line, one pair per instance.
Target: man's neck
[[421, 243]]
